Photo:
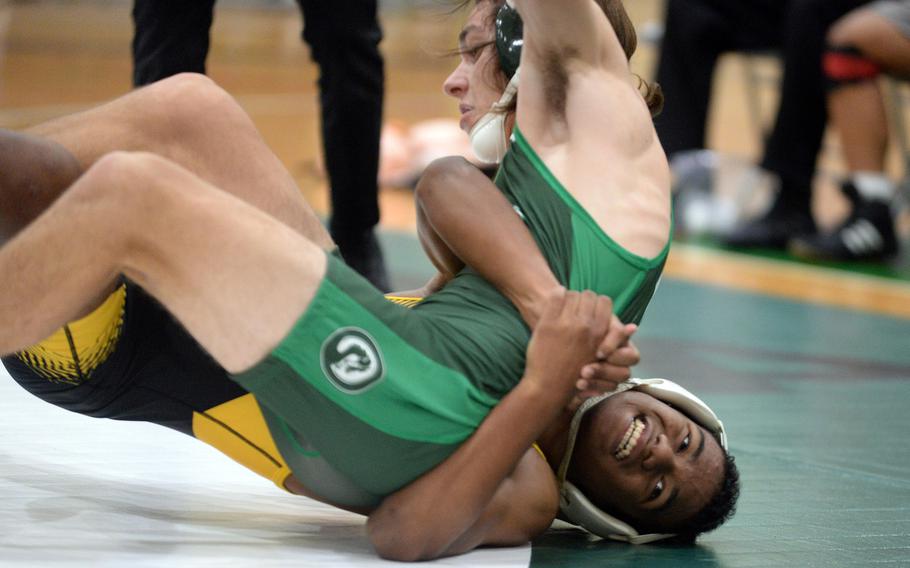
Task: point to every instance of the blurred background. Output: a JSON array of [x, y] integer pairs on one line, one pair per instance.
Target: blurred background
[[817, 348], [57, 57]]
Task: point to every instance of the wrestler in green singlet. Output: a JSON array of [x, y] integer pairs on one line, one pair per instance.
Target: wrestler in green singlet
[[420, 380]]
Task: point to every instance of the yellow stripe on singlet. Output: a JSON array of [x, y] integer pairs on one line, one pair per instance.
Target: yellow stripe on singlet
[[238, 429], [78, 348], [406, 301]]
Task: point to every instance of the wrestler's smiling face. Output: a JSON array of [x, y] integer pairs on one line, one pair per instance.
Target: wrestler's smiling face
[[646, 462], [477, 83]]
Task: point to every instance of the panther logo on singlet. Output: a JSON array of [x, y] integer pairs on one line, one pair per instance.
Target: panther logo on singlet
[[351, 360]]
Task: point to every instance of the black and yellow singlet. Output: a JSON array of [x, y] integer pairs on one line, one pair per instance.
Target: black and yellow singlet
[[130, 360]]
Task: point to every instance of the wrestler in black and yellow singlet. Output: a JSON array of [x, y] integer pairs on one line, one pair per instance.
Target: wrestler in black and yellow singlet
[[130, 360]]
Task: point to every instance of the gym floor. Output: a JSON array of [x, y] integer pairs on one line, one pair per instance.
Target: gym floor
[[808, 365]]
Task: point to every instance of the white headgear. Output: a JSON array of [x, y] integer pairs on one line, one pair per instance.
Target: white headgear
[[488, 136], [577, 508]]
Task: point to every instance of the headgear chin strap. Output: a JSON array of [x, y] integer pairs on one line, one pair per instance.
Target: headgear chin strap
[[488, 136], [577, 508]]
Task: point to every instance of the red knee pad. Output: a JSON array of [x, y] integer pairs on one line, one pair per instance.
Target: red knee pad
[[846, 65]]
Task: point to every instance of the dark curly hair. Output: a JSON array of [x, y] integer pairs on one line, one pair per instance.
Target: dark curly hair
[[717, 511]]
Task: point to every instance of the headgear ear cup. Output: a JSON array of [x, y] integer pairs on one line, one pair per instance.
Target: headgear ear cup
[[573, 504], [509, 38], [488, 136]]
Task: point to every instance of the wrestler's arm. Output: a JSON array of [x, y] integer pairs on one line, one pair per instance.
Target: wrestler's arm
[[464, 219], [568, 44], [577, 29], [493, 489], [35, 172]]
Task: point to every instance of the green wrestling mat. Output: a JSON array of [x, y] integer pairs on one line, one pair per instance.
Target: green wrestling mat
[[815, 402]]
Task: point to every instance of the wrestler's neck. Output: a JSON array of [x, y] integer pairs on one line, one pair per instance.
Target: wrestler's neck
[[554, 439]]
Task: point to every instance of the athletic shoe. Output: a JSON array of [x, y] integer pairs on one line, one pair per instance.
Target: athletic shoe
[[772, 230], [867, 234]]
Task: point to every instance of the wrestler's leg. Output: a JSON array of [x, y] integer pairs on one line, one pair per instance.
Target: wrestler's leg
[[236, 278], [193, 122]]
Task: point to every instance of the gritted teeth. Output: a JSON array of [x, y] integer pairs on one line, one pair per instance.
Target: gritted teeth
[[630, 439]]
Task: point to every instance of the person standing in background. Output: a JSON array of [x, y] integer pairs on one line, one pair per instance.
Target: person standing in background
[[697, 33], [862, 45], [343, 36]]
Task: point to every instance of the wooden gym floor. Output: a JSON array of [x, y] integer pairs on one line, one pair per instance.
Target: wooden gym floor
[[809, 366]]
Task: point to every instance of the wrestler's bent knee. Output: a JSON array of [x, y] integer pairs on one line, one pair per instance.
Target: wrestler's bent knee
[[194, 106], [124, 183]]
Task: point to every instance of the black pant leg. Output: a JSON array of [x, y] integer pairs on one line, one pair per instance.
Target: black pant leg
[[696, 33], [793, 145], [170, 37], [344, 37], [685, 71]]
